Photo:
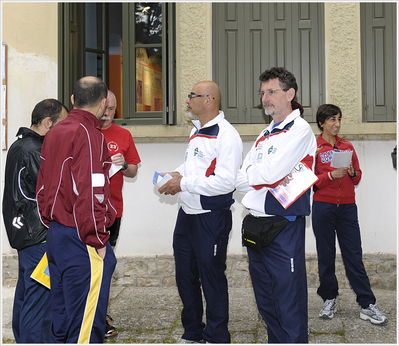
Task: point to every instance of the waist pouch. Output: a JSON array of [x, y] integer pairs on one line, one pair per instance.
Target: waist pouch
[[258, 232]]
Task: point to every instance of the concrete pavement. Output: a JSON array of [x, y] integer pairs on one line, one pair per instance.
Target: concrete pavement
[[152, 315]]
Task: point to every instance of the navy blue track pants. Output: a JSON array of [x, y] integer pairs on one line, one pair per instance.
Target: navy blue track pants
[[80, 282], [278, 275], [200, 247], [32, 309], [330, 220]]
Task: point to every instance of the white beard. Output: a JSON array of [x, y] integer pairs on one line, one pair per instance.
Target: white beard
[[191, 115]]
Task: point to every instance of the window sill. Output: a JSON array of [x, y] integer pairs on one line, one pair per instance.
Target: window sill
[[180, 133]]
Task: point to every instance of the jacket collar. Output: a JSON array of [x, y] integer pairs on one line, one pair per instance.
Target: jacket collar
[[25, 132], [210, 123], [321, 140], [85, 117], [290, 117]]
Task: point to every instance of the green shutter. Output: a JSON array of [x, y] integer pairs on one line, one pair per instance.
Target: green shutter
[[249, 38], [378, 39]]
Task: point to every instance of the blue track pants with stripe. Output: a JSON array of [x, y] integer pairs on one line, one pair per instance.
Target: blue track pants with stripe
[[200, 248], [32, 309], [278, 275], [80, 282], [328, 221]]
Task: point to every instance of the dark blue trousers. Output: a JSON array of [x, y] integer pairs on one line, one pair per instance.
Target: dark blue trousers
[[330, 220], [279, 281], [200, 248], [32, 309], [80, 282]]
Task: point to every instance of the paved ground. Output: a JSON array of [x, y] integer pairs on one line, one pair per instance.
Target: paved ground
[[152, 315]]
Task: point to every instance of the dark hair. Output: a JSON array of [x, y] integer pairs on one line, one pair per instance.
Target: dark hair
[[324, 112], [47, 108], [89, 91], [287, 79]]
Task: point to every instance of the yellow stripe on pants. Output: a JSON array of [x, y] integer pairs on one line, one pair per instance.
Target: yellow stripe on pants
[[96, 265]]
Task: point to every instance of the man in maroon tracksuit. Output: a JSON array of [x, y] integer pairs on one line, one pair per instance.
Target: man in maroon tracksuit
[[73, 196]]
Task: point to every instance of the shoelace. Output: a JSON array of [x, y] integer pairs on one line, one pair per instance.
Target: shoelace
[[328, 305], [375, 310]]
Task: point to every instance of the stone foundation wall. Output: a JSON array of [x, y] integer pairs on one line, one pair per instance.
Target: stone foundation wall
[[159, 271]]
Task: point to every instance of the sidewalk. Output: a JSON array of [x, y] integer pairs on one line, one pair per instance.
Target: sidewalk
[[146, 315]]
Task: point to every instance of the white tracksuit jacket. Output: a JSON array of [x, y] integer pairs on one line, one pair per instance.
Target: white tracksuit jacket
[[274, 154], [212, 160]]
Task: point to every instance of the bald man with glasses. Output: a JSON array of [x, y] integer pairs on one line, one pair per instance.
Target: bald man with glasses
[[205, 184]]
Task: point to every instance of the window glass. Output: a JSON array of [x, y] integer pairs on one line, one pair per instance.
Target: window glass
[[148, 22], [93, 64], [148, 79], [115, 55], [94, 22]]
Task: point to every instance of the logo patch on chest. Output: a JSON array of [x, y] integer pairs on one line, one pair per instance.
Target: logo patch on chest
[[113, 147], [271, 150], [198, 153]]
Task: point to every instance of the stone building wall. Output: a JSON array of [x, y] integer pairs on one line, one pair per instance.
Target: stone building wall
[[158, 271]]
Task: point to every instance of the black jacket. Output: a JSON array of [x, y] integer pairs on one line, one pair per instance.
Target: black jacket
[[21, 217]]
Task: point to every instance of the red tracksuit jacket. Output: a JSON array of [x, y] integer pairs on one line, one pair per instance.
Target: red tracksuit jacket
[[328, 189], [73, 184]]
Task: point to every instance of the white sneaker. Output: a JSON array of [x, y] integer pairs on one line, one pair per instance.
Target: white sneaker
[[372, 314], [329, 308], [185, 341]]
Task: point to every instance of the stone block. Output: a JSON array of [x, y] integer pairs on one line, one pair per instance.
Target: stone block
[[148, 282], [377, 282], [136, 268], [165, 266], [383, 268], [169, 281]]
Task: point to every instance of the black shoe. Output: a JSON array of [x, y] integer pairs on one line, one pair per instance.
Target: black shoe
[[110, 330]]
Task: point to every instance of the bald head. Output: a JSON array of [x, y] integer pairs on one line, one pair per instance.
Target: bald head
[[204, 101], [88, 92], [210, 88]]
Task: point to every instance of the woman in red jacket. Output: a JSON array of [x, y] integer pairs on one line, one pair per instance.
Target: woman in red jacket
[[334, 213]]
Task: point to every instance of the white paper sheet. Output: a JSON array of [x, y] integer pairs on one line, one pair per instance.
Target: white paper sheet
[[114, 169], [341, 159]]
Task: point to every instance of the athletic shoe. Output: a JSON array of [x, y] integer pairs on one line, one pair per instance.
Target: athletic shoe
[[372, 314], [110, 330], [329, 308], [185, 341]]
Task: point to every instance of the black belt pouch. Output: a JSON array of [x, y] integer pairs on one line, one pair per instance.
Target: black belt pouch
[[258, 232]]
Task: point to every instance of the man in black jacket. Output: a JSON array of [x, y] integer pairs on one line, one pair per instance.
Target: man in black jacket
[[31, 311]]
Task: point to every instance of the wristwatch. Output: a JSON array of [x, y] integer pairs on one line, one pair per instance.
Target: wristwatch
[[354, 174], [125, 166]]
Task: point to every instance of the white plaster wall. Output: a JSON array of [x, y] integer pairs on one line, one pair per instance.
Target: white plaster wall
[[149, 219]]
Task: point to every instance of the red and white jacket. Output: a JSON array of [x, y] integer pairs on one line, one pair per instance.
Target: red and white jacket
[[330, 190], [211, 162], [276, 151], [73, 183]]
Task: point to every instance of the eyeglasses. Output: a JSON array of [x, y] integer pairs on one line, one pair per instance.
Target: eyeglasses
[[191, 96], [270, 92]]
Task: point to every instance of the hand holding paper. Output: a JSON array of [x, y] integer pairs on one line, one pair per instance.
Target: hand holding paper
[[114, 169], [160, 180], [169, 184]]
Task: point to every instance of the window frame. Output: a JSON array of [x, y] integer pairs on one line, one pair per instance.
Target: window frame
[[72, 56]]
